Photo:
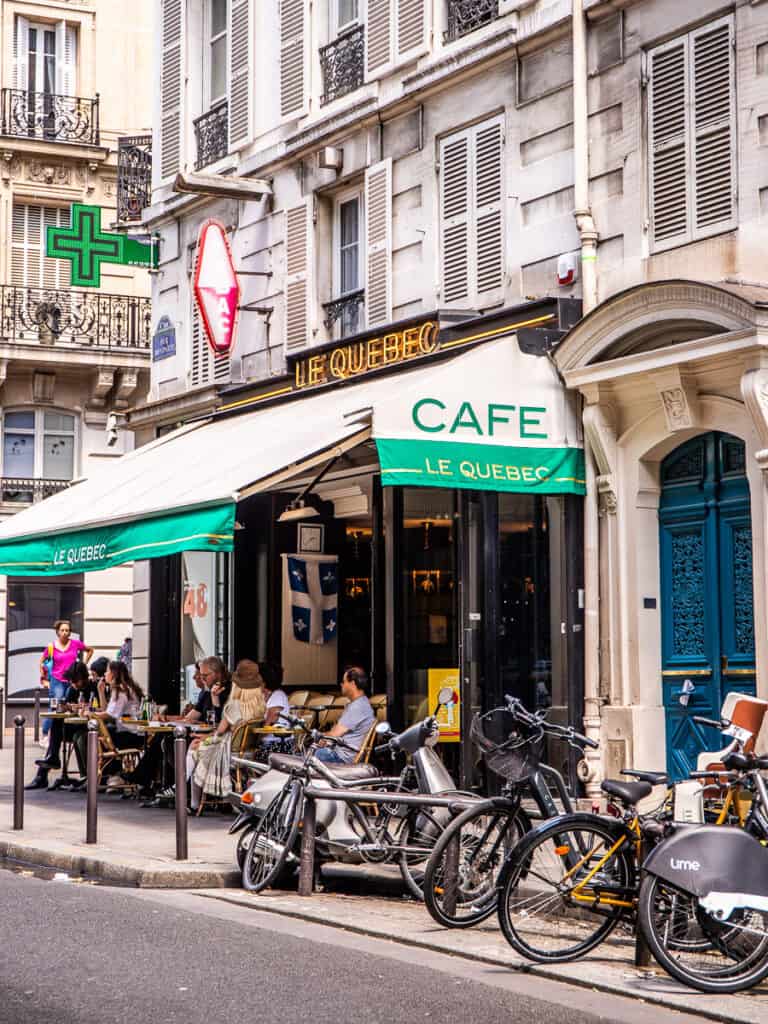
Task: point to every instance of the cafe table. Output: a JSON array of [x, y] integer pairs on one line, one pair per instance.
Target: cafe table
[[157, 727], [66, 745]]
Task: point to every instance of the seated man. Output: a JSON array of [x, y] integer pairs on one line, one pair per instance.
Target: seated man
[[356, 720], [82, 687]]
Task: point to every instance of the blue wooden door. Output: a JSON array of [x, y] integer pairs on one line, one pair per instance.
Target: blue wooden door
[[706, 589]]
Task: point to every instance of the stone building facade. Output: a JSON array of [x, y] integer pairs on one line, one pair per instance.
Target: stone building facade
[[468, 156], [75, 80]]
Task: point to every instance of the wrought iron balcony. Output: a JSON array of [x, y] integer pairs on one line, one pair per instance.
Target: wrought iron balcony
[[86, 318], [464, 16], [28, 490], [134, 176], [212, 135], [348, 309], [49, 117], [342, 64]]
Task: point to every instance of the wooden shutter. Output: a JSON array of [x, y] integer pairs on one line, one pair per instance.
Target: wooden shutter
[[668, 137], [488, 202], [411, 28], [239, 64], [30, 267], [713, 127], [378, 33], [206, 366], [21, 53], [293, 31], [66, 59], [378, 244], [171, 86], [455, 161], [298, 275]]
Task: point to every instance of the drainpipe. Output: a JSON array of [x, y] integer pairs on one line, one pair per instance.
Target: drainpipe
[[583, 210]]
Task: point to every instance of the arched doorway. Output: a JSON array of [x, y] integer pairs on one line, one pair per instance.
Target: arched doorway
[[707, 615]]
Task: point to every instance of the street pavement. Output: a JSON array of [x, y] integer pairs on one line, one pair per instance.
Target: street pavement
[[79, 954]]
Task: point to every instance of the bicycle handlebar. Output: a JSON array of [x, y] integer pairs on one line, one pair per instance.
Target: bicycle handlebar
[[538, 720]]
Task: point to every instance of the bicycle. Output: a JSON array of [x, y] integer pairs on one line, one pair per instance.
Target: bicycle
[[371, 831], [566, 886], [460, 881]]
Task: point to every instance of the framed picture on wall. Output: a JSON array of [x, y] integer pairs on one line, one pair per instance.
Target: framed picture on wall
[[311, 538]]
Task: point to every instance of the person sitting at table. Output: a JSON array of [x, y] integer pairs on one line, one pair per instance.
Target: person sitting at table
[[277, 704], [356, 719], [211, 756], [213, 675], [80, 691], [125, 696]]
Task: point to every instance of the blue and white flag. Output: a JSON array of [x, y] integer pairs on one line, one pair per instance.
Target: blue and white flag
[[313, 581]]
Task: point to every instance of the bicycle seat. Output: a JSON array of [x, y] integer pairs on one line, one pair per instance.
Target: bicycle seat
[[627, 792], [655, 778], [345, 772]]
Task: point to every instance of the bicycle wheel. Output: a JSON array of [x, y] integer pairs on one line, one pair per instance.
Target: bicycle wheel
[[460, 882], [243, 842], [273, 839], [695, 948], [560, 894], [420, 831]]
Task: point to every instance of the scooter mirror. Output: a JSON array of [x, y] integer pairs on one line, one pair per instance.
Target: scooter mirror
[[383, 729], [445, 696]]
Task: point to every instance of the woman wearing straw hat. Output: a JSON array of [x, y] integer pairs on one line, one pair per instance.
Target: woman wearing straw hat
[[211, 758]]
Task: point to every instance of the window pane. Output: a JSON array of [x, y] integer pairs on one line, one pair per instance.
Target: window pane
[[347, 12], [18, 455], [350, 222], [218, 68], [59, 421], [20, 420], [58, 456], [349, 269], [218, 17]]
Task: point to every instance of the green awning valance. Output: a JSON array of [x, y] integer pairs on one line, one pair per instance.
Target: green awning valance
[[200, 529]]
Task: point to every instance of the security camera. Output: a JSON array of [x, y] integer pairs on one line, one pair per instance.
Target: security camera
[[111, 430]]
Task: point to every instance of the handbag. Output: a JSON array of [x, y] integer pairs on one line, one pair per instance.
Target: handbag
[[48, 664]]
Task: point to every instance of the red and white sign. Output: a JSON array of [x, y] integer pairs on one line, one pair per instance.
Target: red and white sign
[[217, 289]]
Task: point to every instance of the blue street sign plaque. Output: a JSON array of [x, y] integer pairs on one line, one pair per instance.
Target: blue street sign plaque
[[163, 340]]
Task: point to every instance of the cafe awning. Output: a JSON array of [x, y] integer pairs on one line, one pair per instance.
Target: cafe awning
[[491, 418]]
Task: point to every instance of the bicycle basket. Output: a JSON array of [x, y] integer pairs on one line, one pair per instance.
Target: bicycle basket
[[509, 748]]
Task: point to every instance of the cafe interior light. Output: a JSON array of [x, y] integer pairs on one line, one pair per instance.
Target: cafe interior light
[[297, 510]]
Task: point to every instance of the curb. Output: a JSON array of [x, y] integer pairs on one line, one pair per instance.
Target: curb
[[182, 875], [520, 966]]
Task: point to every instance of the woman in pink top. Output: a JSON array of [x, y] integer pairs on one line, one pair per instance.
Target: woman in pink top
[[65, 650]]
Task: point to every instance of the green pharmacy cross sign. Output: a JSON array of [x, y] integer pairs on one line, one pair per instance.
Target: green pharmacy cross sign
[[87, 247]]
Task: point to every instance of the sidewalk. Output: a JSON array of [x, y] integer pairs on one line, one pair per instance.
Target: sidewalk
[[137, 846]]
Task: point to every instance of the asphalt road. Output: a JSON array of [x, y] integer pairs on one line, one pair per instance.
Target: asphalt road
[[79, 954]]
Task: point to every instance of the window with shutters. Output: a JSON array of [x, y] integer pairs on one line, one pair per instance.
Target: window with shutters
[[342, 60], [692, 136], [206, 367], [472, 214], [172, 24], [396, 32], [212, 127], [30, 267], [294, 18], [346, 309]]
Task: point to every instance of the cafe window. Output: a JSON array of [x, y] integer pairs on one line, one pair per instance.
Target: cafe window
[[429, 592], [204, 612], [524, 648], [33, 607]]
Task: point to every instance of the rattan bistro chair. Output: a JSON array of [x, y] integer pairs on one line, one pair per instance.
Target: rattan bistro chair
[[379, 704], [108, 754]]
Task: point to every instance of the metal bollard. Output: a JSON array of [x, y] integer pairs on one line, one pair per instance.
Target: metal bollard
[[642, 952], [36, 718], [451, 882], [180, 771], [307, 862], [18, 773], [2, 716], [92, 763]]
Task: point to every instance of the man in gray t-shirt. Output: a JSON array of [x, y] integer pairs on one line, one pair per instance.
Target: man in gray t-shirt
[[356, 720]]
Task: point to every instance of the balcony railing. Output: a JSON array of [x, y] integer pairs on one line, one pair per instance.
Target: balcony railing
[[86, 318], [49, 117], [212, 135], [348, 309], [28, 490], [342, 64], [464, 16], [134, 176]]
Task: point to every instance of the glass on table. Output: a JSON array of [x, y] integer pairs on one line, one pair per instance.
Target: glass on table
[[53, 704], [210, 718]]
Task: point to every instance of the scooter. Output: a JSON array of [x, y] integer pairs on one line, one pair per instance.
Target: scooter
[[339, 834]]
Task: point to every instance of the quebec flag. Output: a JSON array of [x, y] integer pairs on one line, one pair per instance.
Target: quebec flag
[[314, 587]]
